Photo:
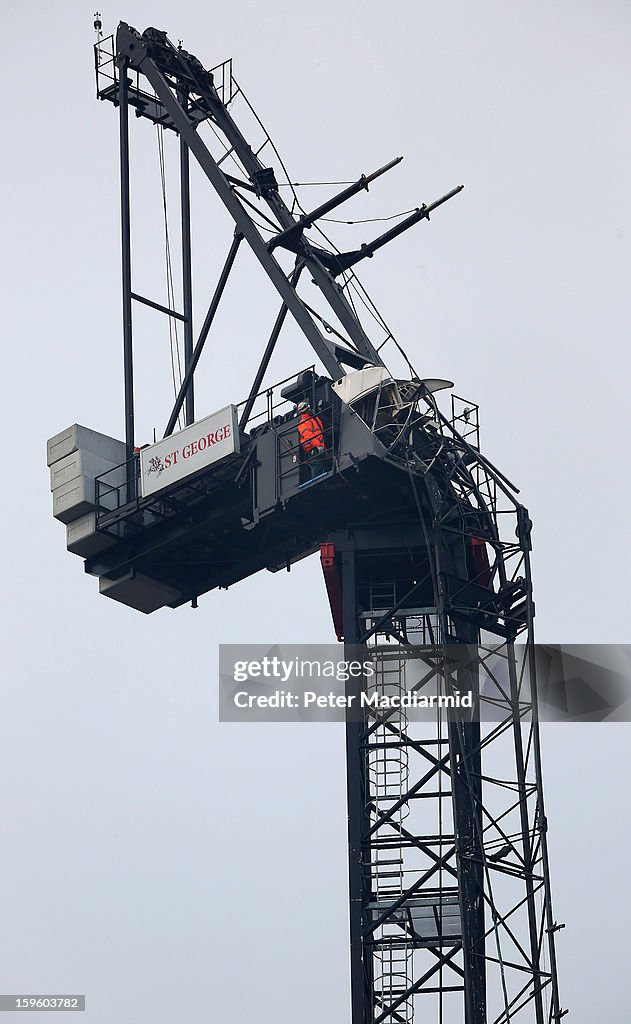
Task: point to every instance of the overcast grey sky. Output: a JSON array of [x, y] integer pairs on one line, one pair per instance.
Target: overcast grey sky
[[165, 865]]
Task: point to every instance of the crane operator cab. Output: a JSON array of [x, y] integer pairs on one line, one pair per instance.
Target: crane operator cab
[[374, 396], [388, 407], [334, 425], [330, 420]]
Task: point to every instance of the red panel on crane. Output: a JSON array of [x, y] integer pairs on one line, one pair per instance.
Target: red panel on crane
[[481, 563], [333, 581]]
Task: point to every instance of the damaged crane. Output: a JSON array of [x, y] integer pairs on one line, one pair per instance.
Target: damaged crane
[[424, 547]]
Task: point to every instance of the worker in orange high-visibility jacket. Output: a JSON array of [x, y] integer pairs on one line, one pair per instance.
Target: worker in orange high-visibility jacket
[[311, 434]]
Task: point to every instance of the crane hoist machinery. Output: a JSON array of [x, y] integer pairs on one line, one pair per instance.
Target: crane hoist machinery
[[424, 545]]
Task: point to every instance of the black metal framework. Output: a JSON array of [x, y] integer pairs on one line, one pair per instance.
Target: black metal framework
[[451, 911], [448, 865]]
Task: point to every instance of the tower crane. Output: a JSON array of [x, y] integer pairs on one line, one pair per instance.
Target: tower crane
[[425, 549]]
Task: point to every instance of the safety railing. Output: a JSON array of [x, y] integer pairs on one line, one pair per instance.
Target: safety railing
[[117, 487], [118, 490], [146, 102], [465, 418], [270, 408], [105, 65]]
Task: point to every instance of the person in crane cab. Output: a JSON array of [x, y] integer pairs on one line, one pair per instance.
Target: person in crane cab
[[311, 437]]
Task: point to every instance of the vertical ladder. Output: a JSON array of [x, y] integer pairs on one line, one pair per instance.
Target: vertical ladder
[[388, 771]]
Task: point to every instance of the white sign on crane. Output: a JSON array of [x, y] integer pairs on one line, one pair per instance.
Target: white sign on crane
[[188, 451]]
